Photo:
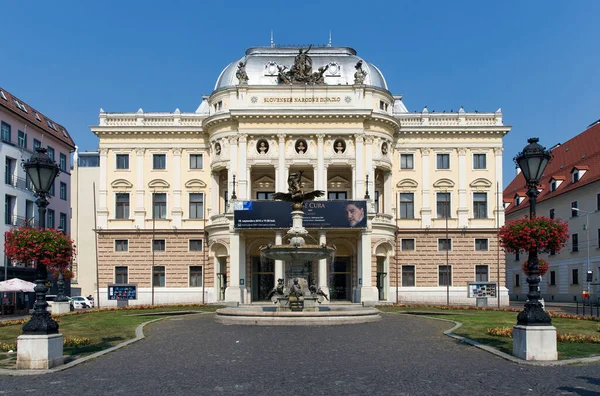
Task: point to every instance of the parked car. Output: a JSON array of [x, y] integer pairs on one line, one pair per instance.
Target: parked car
[[83, 301]]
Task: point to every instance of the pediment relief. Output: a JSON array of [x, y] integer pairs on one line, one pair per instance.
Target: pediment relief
[[121, 183], [264, 182], [338, 182], [443, 183], [195, 183], [407, 183], [481, 183], [158, 183]]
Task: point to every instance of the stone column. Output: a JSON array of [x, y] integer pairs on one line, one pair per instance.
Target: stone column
[[359, 173], [368, 292], [242, 271], [323, 281], [387, 193], [463, 208], [324, 185], [370, 171], [214, 193], [281, 181], [278, 263], [140, 190], [316, 177], [319, 179], [498, 201], [425, 192], [233, 293], [232, 170], [243, 172], [176, 212], [103, 191]]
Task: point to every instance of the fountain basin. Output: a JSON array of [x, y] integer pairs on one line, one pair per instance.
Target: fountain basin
[[303, 253]]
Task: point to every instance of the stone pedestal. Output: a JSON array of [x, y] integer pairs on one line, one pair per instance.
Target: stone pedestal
[[535, 342], [369, 294], [58, 308], [39, 352]]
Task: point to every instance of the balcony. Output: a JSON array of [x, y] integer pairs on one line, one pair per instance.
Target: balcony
[[19, 221], [18, 182]]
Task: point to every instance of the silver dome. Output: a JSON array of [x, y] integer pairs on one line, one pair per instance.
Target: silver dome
[[262, 62]]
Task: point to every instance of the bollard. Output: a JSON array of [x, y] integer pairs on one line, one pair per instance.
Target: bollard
[[576, 307]]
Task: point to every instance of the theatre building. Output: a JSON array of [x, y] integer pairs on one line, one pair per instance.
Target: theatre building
[[184, 200]]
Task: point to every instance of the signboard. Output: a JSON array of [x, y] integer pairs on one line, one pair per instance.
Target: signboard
[[482, 289], [317, 214], [122, 292]]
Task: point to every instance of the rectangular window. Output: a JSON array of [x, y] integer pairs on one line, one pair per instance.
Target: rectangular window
[[22, 139], [481, 244], [481, 273], [552, 213], [62, 222], [598, 201], [52, 192], [575, 276], [195, 245], [36, 144], [443, 205], [552, 278], [574, 243], [337, 195], [479, 161], [159, 245], [517, 280], [63, 191], [517, 258], [121, 245], [408, 275], [62, 164], [444, 244], [553, 185], [408, 244], [575, 176], [195, 275], [574, 213], [159, 161], [197, 206], [121, 206], [443, 161], [5, 132], [121, 275], [407, 205], [122, 161], [480, 205], [376, 202], [445, 275], [158, 276], [264, 195], [195, 161], [51, 219], [159, 210], [407, 161], [51, 153]]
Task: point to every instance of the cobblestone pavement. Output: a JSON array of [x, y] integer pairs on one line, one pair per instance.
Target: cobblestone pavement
[[399, 355]]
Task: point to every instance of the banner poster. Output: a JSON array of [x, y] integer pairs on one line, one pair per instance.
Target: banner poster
[[122, 292], [317, 214]]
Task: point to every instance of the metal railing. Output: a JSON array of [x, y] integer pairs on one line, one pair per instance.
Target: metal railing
[[18, 182], [18, 221]]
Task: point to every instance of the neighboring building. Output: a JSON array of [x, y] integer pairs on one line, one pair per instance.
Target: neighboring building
[[277, 111], [571, 180], [85, 173], [23, 129]]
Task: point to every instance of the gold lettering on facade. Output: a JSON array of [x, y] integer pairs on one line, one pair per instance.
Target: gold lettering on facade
[[328, 99]]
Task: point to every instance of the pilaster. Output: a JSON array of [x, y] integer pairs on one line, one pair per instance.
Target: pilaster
[[368, 292], [359, 171], [233, 292], [323, 266], [242, 167], [463, 209], [320, 181], [425, 192], [498, 204], [102, 190], [281, 181], [177, 212], [140, 209]]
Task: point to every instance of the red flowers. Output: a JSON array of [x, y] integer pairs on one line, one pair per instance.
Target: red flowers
[[50, 247], [541, 233], [542, 267]]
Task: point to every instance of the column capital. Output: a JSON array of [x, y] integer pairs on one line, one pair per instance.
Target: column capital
[[104, 152], [462, 150], [140, 151], [369, 140], [281, 137], [425, 151], [359, 137], [177, 151], [320, 137], [233, 140], [498, 150], [243, 137]]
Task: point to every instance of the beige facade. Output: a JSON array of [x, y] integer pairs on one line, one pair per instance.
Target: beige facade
[[177, 172]]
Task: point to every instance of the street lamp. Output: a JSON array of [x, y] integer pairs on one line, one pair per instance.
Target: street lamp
[[233, 196], [587, 235], [532, 161], [42, 171]]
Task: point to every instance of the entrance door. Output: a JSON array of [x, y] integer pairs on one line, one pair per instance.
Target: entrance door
[[221, 278], [381, 275], [263, 277], [340, 279]]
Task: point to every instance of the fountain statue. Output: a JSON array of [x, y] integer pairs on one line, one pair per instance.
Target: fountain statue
[[297, 296]]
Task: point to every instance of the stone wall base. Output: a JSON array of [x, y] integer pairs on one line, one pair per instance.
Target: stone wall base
[[535, 342], [39, 352], [57, 308]]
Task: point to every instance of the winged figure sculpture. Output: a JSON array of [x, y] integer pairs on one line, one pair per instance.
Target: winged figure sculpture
[[295, 193]]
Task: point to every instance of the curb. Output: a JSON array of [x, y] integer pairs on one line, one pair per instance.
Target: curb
[[504, 355], [139, 335]]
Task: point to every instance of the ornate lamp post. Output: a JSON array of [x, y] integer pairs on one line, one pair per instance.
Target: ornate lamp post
[[532, 161], [233, 196], [42, 171]]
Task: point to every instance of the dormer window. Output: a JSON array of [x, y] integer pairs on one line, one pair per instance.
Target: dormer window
[[553, 185], [383, 105], [575, 175], [50, 124], [577, 172], [518, 200], [2, 95], [20, 105]]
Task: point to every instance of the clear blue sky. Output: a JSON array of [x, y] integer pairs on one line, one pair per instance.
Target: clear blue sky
[[537, 60]]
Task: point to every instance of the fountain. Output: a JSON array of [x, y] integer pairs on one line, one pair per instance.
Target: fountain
[[298, 302]]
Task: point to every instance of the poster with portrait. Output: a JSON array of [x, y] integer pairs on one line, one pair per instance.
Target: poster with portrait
[[317, 214]]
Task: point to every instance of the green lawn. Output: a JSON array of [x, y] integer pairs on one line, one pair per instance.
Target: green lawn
[[475, 324], [104, 328]]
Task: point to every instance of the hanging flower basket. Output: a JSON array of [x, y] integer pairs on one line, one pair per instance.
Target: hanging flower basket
[[541, 233], [50, 247], [542, 267]]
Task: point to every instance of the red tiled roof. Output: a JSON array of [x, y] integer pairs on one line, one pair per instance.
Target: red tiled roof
[[581, 152], [29, 116]]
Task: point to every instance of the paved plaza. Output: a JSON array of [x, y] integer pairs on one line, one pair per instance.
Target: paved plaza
[[398, 355]]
